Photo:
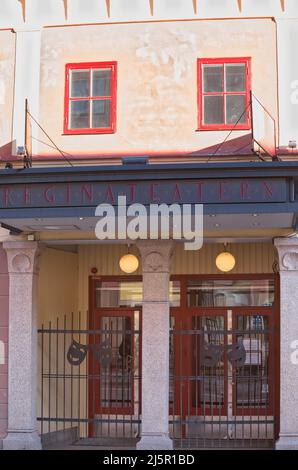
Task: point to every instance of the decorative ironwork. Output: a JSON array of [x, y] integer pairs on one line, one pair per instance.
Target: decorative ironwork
[[212, 353], [77, 352]]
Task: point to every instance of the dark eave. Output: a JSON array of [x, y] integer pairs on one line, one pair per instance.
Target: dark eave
[[164, 171]]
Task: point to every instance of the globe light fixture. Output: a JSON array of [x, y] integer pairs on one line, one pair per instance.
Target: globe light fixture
[[128, 263], [225, 261]]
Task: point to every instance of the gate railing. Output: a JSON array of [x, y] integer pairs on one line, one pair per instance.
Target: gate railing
[[222, 380], [222, 387], [89, 380]]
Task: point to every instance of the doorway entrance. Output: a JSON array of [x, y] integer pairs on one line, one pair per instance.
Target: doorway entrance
[[224, 365]]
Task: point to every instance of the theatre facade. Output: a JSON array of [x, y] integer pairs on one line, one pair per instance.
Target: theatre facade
[[187, 348]]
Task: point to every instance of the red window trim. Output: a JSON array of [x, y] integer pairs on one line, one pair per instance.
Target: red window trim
[[223, 60], [91, 65]]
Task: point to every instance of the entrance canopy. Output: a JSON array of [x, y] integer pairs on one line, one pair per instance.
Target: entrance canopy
[[235, 196]]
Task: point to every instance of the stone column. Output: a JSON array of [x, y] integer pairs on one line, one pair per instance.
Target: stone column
[[156, 256], [287, 249], [22, 369]]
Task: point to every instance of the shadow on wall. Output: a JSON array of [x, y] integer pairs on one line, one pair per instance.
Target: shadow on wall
[[7, 150], [238, 146]]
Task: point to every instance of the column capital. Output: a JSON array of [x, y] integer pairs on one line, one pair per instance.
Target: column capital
[[287, 251], [21, 256], [156, 255]]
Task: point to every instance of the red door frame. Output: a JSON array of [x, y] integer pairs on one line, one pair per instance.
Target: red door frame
[[248, 311], [182, 342], [183, 312], [95, 313], [273, 313]]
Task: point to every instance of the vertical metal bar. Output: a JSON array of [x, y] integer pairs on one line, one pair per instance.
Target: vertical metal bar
[[57, 365], [271, 376], [42, 377], [129, 370], [187, 414], [86, 411], [71, 377], [139, 374], [79, 382], [230, 377], [202, 319], [64, 371], [110, 375], [49, 372], [241, 381], [197, 372], [250, 399], [95, 367]]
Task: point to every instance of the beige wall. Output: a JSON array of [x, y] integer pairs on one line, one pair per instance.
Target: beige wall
[[57, 287], [7, 58], [157, 80]]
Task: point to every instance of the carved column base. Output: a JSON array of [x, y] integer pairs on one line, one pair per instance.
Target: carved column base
[[287, 442], [155, 442], [22, 441]]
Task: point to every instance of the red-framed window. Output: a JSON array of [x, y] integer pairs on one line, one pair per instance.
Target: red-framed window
[[224, 94], [90, 98]]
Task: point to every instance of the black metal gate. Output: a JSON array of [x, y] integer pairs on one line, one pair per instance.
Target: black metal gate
[[222, 379], [89, 377]]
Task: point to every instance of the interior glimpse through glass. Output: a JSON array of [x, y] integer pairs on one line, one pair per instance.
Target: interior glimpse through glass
[[230, 293], [90, 99], [224, 94], [128, 293]]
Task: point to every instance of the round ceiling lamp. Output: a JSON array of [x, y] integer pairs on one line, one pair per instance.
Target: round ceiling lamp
[[128, 263], [225, 261]]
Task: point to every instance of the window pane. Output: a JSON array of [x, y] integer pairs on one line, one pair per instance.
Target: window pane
[[212, 78], [79, 114], [230, 293], [101, 111], [235, 109], [174, 296], [235, 77], [208, 337], [80, 83], [213, 110], [252, 378], [101, 82], [118, 293], [116, 381], [128, 293]]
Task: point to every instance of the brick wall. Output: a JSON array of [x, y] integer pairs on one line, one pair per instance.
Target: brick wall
[[3, 341]]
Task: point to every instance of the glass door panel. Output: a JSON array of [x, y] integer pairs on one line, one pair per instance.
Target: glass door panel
[[115, 376], [208, 368], [253, 376]]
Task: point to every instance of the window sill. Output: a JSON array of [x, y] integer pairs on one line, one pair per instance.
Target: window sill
[[93, 132], [220, 129]]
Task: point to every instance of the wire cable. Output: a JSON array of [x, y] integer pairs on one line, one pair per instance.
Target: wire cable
[[63, 154]]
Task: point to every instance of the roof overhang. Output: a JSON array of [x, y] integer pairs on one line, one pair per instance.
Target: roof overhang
[[66, 197]]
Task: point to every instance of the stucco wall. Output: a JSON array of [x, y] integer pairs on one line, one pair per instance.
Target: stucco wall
[[4, 295], [157, 80]]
